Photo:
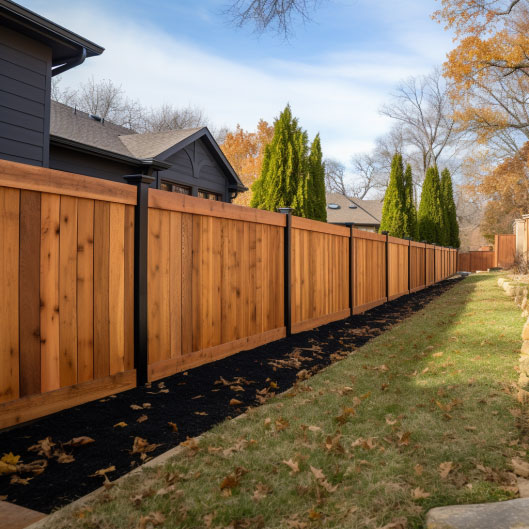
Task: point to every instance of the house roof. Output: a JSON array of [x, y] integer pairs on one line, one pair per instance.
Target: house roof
[[65, 44], [366, 213], [70, 125]]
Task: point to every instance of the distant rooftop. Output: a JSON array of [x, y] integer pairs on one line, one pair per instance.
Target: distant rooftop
[[342, 210]]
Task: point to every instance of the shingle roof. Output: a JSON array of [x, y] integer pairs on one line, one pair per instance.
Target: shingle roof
[[151, 144], [367, 212], [75, 125]]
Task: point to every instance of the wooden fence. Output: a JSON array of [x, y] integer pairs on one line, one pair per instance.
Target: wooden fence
[[106, 285], [504, 250]]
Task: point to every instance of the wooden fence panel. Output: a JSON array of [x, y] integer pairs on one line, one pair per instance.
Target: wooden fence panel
[[430, 264], [215, 283], [320, 273], [417, 266], [397, 267], [504, 250], [62, 282], [474, 261], [369, 272]]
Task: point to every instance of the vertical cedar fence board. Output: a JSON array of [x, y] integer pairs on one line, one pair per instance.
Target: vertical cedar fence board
[[215, 280], [369, 288], [320, 273], [66, 284], [504, 250], [417, 266], [430, 264], [397, 267], [475, 260]]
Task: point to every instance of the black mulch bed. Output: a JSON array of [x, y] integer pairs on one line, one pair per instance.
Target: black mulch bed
[[195, 401]]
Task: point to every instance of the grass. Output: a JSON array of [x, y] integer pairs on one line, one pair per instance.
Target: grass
[[377, 428]]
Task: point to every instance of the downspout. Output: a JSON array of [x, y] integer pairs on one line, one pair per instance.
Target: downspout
[[72, 62]]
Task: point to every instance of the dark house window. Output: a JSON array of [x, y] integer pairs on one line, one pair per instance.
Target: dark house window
[[175, 188], [208, 194]]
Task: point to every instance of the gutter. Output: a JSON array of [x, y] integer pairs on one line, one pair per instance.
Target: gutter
[[70, 63]]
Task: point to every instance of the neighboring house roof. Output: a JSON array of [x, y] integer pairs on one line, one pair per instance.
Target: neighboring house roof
[[366, 212], [65, 44], [79, 129]]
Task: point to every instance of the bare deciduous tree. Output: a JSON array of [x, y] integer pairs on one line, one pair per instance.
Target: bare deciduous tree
[[421, 105], [109, 101], [276, 15]]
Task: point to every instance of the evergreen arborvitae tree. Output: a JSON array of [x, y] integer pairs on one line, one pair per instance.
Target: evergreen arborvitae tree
[[283, 177], [410, 229], [449, 206], [394, 208], [317, 205], [430, 218]]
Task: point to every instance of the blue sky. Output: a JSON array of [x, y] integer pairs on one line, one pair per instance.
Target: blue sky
[[336, 71]]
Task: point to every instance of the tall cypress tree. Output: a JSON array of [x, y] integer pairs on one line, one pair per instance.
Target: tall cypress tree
[[283, 180], [317, 205], [447, 196], [394, 208], [411, 213], [430, 218]]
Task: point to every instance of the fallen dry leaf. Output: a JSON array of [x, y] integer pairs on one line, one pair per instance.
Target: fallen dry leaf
[[294, 466], [10, 459], [261, 491], [136, 407], [120, 424], [419, 494], [404, 438], [17, 480], [7, 468], [79, 441], [235, 402], [63, 457], [153, 518], [440, 353], [398, 523], [43, 447], [103, 471], [142, 446], [200, 413], [173, 427], [142, 418], [418, 469], [314, 428], [445, 469]]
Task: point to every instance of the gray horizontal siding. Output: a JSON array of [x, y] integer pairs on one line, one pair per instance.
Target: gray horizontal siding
[[23, 151], [28, 121], [25, 76]]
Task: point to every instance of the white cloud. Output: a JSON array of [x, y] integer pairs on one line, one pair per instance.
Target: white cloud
[[336, 94]]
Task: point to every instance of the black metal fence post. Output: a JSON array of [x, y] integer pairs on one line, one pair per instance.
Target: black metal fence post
[[288, 269], [141, 235], [387, 264]]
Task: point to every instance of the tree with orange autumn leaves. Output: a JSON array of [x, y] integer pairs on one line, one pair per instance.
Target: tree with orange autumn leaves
[[245, 151], [489, 68]]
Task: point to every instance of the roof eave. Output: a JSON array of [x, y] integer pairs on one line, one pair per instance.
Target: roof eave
[[83, 147], [47, 29]]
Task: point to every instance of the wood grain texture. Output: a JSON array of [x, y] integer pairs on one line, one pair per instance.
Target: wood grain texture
[[68, 291], [49, 292], [9, 309], [85, 290], [29, 289], [34, 178], [101, 289]]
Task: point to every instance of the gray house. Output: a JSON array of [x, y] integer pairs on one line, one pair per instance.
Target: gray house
[[38, 131]]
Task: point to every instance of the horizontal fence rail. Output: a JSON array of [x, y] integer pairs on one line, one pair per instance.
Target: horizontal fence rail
[[108, 285]]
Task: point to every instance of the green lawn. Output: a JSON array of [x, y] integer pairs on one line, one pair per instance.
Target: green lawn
[[422, 416]]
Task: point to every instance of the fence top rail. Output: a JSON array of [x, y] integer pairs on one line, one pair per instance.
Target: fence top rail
[[35, 178], [417, 244], [301, 223], [396, 240], [361, 234], [166, 200]]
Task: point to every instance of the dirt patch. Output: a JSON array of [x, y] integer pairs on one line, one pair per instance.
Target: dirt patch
[[181, 406]]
